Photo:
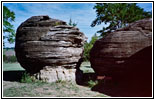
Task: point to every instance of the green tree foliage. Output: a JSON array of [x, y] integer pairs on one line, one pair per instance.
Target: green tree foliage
[[118, 15], [88, 46], [9, 32], [71, 23]]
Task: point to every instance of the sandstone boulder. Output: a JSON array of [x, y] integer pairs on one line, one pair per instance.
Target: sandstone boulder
[[42, 41], [125, 55], [109, 53]]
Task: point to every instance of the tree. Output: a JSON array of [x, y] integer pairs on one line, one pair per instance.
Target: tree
[[118, 15], [9, 32], [71, 23], [88, 46]]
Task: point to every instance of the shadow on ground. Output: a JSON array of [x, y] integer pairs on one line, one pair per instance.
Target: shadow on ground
[[13, 75], [116, 89], [85, 78]]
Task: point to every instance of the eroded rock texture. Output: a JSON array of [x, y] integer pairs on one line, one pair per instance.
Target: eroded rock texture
[[44, 45], [126, 56]]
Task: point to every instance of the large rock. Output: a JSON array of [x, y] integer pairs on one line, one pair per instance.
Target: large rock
[[126, 56], [44, 46], [115, 48]]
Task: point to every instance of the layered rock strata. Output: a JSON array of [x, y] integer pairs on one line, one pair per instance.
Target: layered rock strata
[[109, 53], [44, 46], [125, 55]]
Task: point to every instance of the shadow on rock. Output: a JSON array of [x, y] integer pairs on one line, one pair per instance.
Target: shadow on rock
[[116, 89], [134, 81], [12, 75]]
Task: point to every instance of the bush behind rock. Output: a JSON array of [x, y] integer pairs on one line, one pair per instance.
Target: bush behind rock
[[9, 59]]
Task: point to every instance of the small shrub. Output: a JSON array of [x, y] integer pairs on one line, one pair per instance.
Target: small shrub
[[71, 23], [58, 81], [92, 83], [9, 59], [4, 58], [26, 78], [12, 59]]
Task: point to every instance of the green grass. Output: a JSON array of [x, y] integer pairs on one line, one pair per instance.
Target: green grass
[[85, 67], [22, 90], [11, 66], [62, 89], [92, 83], [26, 78]]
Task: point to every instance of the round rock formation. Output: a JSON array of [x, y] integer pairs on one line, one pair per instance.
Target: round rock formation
[[49, 48], [126, 56]]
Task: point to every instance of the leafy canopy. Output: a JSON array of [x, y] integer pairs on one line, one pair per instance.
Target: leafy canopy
[[117, 15], [8, 17]]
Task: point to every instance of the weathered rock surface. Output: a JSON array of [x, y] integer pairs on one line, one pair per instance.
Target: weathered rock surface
[[42, 41], [111, 51], [59, 73], [126, 56]]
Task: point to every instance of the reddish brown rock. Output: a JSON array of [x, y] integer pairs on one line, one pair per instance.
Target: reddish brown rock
[[113, 50], [126, 56]]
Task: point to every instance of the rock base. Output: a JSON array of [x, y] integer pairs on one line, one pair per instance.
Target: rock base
[[50, 74]]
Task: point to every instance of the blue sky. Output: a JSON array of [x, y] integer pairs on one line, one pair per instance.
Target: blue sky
[[81, 13]]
